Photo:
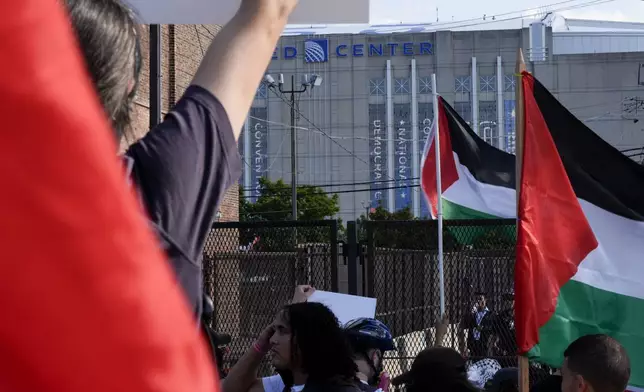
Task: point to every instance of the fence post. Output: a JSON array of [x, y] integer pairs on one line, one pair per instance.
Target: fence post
[[369, 278], [352, 243], [334, 255]]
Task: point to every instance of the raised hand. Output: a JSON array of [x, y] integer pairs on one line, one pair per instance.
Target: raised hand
[[302, 293]]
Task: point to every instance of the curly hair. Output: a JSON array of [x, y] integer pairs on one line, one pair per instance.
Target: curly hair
[[319, 344]]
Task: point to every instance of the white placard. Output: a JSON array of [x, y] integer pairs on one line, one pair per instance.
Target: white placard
[[221, 11], [345, 307]]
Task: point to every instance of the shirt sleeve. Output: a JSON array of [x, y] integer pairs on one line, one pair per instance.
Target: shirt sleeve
[[273, 383], [183, 167]]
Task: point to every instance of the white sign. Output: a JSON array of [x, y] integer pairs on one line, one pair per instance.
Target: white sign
[[345, 307], [221, 11]]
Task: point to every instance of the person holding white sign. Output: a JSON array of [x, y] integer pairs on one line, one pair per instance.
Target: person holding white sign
[[308, 348]]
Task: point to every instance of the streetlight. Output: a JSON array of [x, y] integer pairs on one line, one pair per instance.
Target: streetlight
[[311, 82]]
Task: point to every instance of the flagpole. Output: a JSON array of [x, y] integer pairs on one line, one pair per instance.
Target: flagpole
[[439, 202], [524, 363]]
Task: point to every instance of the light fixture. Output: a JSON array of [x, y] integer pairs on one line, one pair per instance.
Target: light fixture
[[218, 215]]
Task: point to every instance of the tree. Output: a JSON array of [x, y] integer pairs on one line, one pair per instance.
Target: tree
[[274, 203]]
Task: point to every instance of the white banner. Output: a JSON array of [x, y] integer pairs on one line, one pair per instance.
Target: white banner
[[221, 11]]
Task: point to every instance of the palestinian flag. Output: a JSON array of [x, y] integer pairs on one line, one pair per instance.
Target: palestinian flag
[[478, 180], [581, 237]]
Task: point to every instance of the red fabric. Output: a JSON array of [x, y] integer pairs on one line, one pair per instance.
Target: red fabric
[[553, 234], [88, 301], [449, 175]]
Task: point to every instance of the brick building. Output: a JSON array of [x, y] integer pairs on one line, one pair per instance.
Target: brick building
[[182, 47]]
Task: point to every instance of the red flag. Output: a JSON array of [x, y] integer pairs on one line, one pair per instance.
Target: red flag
[[553, 234], [88, 301]]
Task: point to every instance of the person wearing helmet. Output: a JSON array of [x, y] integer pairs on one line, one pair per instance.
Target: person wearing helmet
[[370, 339]]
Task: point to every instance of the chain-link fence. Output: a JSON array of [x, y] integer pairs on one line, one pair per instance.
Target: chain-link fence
[[401, 270], [251, 269]]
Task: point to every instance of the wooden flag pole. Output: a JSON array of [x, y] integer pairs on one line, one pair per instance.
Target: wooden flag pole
[[519, 115]]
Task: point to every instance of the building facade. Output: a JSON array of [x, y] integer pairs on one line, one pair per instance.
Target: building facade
[[361, 132]]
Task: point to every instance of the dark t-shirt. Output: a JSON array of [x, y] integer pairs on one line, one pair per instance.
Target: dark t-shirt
[[181, 169]]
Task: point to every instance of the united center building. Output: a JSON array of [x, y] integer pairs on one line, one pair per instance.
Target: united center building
[[361, 132]]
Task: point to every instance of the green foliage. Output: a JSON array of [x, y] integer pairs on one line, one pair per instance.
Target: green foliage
[[401, 230], [500, 238], [274, 203]]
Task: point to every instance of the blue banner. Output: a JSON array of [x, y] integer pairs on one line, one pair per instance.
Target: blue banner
[[402, 154], [509, 119], [425, 118], [378, 155], [259, 148]]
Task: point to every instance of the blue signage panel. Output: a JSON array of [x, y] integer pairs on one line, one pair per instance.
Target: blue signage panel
[[258, 149], [509, 119], [316, 51], [425, 118], [402, 154], [319, 50], [378, 154]]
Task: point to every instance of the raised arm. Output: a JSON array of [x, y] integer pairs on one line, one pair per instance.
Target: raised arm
[[239, 54], [243, 376]]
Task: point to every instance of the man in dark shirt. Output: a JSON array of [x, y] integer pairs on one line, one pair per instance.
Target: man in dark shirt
[[182, 168], [478, 322]]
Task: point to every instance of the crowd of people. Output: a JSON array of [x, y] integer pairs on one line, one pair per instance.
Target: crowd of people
[[180, 171]]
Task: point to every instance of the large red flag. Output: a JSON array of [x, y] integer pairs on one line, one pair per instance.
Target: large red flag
[[88, 302]]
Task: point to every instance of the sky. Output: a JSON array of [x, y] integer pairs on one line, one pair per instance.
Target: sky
[[424, 11]]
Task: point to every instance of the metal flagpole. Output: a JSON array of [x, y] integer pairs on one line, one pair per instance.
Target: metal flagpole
[[439, 191], [524, 364]]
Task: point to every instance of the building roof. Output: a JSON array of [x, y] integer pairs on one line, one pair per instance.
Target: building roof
[[558, 23]]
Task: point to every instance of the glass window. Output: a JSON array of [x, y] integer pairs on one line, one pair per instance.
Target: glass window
[[463, 84], [488, 129], [464, 109], [262, 91], [487, 84], [425, 85], [377, 87], [401, 86], [509, 83]]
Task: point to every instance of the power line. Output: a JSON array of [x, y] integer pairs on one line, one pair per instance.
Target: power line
[[299, 113], [352, 190]]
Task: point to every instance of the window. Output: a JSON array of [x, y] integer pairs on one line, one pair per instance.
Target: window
[[401, 86], [487, 84], [488, 129], [464, 109], [463, 84], [425, 85], [377, 87], [262, 91], [509, 83]]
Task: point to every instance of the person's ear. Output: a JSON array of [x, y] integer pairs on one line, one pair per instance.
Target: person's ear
[[130, 87], [581, 384], [376, 357]]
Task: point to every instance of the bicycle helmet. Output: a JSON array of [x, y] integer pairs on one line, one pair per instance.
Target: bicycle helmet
[[370, 333], [365, 334]]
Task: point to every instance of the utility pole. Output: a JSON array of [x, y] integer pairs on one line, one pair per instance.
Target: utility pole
[[292, 92]]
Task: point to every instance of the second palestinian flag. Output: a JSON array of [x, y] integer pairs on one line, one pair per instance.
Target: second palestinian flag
[[581, 237], [478, 180]]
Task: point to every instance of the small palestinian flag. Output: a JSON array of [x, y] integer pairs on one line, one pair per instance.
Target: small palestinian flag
[[581, 237], [478, 180]]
